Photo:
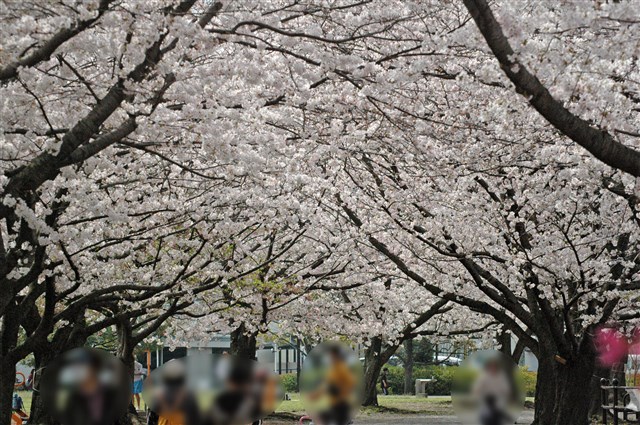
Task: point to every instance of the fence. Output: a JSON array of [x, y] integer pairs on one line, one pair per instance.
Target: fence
[[614, 409]]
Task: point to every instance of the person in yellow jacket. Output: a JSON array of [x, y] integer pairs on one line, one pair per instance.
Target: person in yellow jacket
[[340, 385]]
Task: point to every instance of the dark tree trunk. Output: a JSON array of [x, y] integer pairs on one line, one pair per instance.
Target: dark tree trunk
[[244, 344], [372, 367], [126, 347], [409, 387], [562, 390], [38, 413], [7, 381], [572, 395], [65, 338], [8, 341], [504, 340], [545, 388]]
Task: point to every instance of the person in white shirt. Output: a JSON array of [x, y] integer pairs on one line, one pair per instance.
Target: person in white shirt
[[493, 391], [138, 377]]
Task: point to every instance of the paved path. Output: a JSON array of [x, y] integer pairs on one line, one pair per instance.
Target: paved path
[[526, 418], [390, 419]]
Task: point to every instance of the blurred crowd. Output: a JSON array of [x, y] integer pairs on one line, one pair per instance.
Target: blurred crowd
[[88, 386]]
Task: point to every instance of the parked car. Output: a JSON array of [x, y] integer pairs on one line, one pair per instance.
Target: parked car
[[393, 361], [448, 361]]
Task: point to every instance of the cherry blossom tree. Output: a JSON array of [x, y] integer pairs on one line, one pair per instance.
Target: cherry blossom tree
[[103, 120], [602, 28], [163, 157], [547, 249], [383, 318]]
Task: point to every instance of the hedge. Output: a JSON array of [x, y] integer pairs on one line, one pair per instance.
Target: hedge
[[289, 382], [444, 379], [442, 375]]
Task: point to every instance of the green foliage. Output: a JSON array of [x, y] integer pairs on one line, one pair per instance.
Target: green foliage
[[423, 351], [528, 382], [442, 375], [444, 379], [288, 382]]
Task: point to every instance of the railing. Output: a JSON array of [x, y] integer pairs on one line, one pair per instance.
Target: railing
[[613, 410]]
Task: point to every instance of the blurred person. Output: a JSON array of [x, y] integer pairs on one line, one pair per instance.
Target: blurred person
[[90, 395], [339, 386], [17, 405], [384, 381], [172, 403], [493, 390], [266, 394], [269, 394], [236, 403], [84, 400], [85, 386], [138, 378], [29, 383]]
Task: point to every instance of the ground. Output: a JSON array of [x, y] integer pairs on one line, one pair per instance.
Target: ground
[[434, 405], [406, 410]]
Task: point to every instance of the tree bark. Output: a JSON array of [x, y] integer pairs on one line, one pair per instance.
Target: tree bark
[[38, 413], [126, 347], [65, 339], [7, 381], [243, 344], [409, 387], [373, 363], [545, 389], [8, 341], [504, 340], [562, 390], [572, 395]]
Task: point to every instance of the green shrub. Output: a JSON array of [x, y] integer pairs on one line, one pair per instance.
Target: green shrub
[[288, 382], [528, 382], [443, 376]]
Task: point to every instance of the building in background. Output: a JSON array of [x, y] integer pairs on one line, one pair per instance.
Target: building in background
[[282, 356]]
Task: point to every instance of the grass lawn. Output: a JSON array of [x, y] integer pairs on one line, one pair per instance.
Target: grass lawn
[[435, 405], [26, 399], [432, 405]]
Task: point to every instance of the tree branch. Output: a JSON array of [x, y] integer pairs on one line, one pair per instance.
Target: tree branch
[[597, 141]]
